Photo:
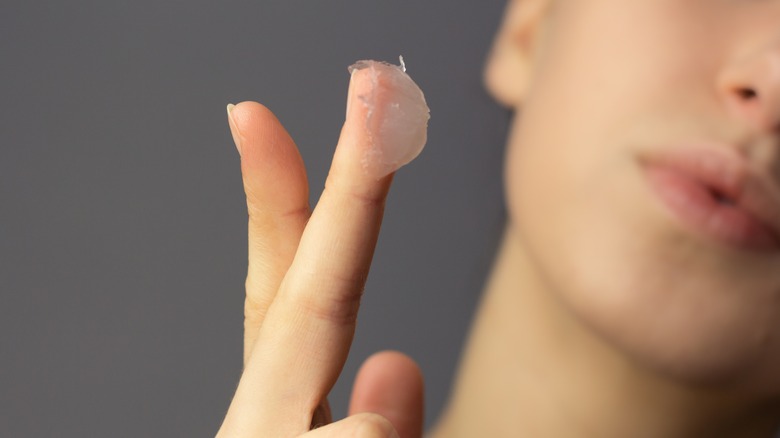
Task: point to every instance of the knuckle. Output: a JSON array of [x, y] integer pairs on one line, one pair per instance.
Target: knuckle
[[255, 309], [372, 425], [327, 298], [300, 212], [338, 309], [352, 279], [263, 215], [366, 196], [254, 199], [367, 199]]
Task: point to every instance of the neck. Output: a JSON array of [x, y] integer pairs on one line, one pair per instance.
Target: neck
[[530, 369]]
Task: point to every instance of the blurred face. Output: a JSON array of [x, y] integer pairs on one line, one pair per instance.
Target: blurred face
[[612, 82]]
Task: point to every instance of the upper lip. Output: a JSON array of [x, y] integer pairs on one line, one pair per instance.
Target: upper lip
[[725, 172]]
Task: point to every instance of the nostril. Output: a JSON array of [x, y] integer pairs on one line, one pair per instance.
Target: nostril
[[720, 197], [747, 93]]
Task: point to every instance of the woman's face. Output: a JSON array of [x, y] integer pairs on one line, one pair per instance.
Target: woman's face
[[612, 81]]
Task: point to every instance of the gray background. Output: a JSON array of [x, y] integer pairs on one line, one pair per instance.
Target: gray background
[[122, 217]]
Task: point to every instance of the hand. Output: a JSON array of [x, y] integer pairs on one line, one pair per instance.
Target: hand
[[305, 278]]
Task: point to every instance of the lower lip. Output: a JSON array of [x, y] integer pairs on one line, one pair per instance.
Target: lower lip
[[692, 203]]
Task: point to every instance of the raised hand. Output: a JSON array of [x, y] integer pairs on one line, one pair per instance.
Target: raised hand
[[307, 270]]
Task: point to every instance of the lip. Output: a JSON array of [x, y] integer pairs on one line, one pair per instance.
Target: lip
[[687, 178]]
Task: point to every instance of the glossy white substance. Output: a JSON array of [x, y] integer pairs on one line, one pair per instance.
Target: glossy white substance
[[396, 116]]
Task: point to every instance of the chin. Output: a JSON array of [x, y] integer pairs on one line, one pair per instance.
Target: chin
[[662, 298], [692, 332]]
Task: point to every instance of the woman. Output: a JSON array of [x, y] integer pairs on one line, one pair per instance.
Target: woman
[[637, 289]]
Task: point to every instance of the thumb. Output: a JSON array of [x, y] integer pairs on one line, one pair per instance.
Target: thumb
[[391, 384]]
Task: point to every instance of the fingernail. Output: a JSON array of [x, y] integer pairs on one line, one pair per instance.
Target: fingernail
[[349, 91], [234, 128]]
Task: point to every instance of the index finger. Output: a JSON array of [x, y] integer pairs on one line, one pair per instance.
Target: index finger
[[305, 338]]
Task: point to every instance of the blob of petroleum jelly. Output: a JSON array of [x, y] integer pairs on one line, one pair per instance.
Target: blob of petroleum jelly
[[396, 120]]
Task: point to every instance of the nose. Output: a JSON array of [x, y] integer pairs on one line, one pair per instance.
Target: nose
[[751, 88]]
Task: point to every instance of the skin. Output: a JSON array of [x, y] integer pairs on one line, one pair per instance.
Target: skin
[[305, 276], [603, 316]]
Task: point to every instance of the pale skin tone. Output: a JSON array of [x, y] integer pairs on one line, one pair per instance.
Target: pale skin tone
[[602, 316]]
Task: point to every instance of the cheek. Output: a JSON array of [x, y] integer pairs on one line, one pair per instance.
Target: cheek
[[579, 202], [633, 279]]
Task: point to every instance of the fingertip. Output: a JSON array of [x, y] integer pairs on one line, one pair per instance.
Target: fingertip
[[253, 119], [272, 168], [244, 118], [248, 108], [263, 137], [394, 362], [387, 118], [391, 384]]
